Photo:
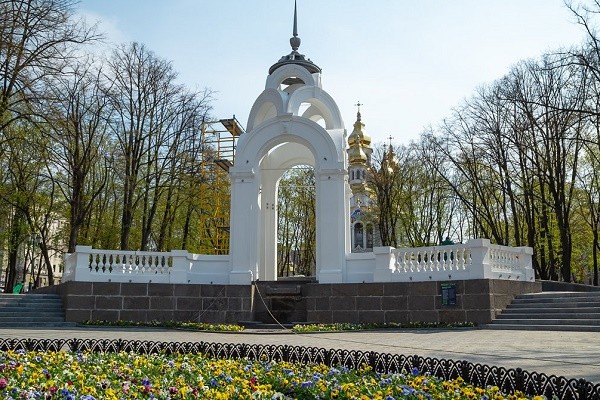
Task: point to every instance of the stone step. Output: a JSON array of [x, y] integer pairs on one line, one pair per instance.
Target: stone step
[[38, 324], [38, 318], [549, 321], [557, 300], [522, 309], [263, 325], [542, 306], [562, 295], [27, 306], [532, 327], [24, 312], [535, 314], [30, 301], [31, 310], [573, 311]]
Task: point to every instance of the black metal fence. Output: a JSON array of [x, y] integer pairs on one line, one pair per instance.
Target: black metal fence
[[508, 380]]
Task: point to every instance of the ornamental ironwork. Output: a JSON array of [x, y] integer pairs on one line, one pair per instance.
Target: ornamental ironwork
[[480, 375]]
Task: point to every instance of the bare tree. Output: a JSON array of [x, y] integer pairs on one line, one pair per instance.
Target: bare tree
[[37, 40], [77, 113]]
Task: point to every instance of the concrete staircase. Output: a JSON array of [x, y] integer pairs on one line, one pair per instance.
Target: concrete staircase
[[552, 311], [32, 310]]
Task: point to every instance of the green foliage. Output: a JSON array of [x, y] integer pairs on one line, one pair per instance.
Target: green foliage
[[297, 224], [200, 326], [338, 327]]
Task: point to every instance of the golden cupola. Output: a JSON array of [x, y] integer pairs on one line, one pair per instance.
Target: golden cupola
[[359, 143]]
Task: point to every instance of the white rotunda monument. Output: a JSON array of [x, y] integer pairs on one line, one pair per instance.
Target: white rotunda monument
[[292, 122]]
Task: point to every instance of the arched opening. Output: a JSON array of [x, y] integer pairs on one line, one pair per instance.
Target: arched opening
[[262, 157], [296, 224], [359, 235]]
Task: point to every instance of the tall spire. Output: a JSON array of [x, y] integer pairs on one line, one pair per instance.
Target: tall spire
[[295, 19], [294, 57], [295, 40]]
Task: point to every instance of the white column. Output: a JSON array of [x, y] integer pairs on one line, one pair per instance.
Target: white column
[[268, 258], [244, 227], [332, 225]]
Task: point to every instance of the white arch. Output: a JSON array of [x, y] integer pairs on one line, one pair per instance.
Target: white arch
[[292, 71], [269, 104], [288, 128], [320, 100], [275, 142]]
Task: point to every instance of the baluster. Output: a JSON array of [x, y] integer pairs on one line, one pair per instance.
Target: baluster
[[90, 261], [403, 262], [110, 265], [144, 268], [137, 263], [130, 263], [460, 262], [97, 262], [150, 268], [104, 263]]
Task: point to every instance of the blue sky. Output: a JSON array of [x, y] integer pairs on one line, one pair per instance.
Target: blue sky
[[408, 62]]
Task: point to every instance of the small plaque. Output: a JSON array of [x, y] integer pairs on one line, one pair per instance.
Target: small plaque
[[448, 294]]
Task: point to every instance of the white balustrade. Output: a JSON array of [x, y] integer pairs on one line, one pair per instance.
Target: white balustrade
[[176, 266], [476, 259]]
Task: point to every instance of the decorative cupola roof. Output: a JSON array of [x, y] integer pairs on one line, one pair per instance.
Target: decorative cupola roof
[[359, 142], [357, 134], [388, 164], [294, 57]]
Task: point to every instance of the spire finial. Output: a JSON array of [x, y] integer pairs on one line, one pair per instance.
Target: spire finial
[[295, 40], [295, 20], [358, 112], [390, 139]]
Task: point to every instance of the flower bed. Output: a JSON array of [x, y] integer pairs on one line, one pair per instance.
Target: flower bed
[[89, 375], [200, 326], [338, 327]]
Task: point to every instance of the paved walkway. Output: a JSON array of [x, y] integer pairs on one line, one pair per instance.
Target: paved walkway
[[570, 354]]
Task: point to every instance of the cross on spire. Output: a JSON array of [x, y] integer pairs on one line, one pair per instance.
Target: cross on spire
[[358, 104], [390, 139]]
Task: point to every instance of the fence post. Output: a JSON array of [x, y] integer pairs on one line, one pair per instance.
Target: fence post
[[464, 371], [285, 353], [582, 389], [328, 357], [373, 360], [519, 381]]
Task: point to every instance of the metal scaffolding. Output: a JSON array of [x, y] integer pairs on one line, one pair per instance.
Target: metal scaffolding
[[219, 140]]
